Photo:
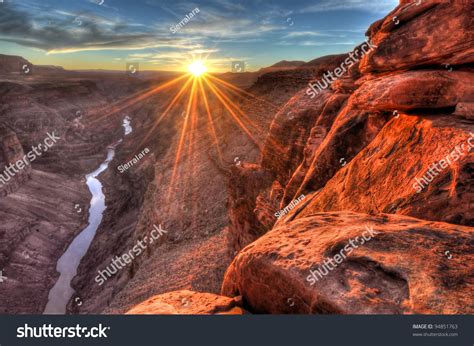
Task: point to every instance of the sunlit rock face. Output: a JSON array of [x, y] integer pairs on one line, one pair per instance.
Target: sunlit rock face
[[392, 138], [361, 144], [352, 263], [186, 302]]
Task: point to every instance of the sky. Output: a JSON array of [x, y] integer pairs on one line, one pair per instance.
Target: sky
[[108, 34]]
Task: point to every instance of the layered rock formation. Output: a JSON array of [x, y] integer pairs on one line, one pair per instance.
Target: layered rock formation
[[394, 135], [11, 152], [39, 220], [362, 144]]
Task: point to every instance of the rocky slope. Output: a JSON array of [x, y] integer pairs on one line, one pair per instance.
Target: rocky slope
[[188, 200]]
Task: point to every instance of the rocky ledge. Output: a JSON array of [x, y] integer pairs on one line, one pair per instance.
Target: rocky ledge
[[186, 302], [352, 263]]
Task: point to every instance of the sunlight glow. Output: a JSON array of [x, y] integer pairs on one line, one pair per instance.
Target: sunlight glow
[[197, 68], [193, 96]]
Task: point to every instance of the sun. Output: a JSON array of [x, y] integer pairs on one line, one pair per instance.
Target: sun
[[197, 68]]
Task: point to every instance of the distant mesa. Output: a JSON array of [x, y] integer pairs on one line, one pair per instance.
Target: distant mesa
[[12, 64]]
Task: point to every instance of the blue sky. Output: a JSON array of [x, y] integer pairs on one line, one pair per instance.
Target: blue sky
[[93, 34]]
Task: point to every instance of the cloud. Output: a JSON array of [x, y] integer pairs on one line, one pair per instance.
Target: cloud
[[318, 43], [297, 34], [66, 32], [229, 5], [63, 31], [179, 60], [213, 24], [378, 7]]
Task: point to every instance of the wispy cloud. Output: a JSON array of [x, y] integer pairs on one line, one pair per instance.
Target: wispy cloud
[[318, 43], [67, 32], [298, 34], [379, 6], [179, 60]]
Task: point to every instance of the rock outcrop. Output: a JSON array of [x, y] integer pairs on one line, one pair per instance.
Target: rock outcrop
[[422, 34], [11, 152], [351, 263], [434, 186], [364, 143], [188, 303]]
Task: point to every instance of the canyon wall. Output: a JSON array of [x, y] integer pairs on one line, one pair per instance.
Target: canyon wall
[[11, 152], [44, 206]]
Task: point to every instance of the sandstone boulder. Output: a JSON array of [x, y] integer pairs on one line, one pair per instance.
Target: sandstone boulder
[[423, 33], [407, 266], [188, 303], [429, 89]]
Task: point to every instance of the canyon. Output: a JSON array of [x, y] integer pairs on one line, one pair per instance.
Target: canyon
[[353, 151]]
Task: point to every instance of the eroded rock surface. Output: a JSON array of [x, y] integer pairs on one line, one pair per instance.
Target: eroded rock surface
[[188, 303], [392, 137], [434, 32], [407, 266]]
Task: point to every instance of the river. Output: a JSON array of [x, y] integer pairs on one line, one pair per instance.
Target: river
[[68, 263]]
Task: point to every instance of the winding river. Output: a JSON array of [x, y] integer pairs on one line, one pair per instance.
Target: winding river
[[68, 263]]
